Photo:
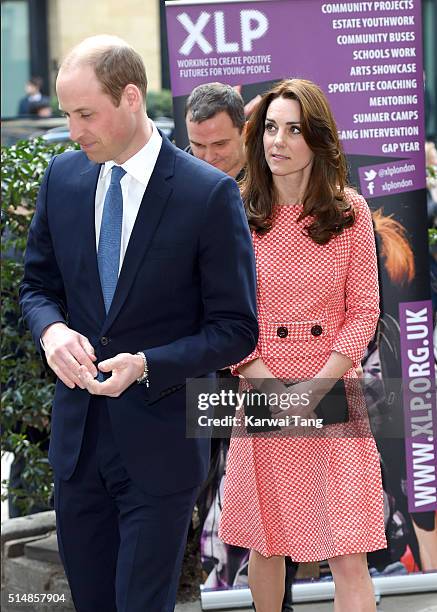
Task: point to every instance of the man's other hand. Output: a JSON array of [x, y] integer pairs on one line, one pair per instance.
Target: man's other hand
[[125, 368], [66, 351]]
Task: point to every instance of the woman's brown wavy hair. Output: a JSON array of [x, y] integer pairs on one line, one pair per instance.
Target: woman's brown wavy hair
[[324, 198]]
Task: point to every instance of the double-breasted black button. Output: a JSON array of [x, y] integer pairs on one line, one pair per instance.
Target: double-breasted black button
[[104, 340], [282, 332], [316, 330]]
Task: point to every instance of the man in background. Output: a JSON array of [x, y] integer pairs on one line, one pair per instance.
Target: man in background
[[215, 120], [34, 103]]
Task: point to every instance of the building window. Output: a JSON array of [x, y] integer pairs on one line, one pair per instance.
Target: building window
[[15, 69]]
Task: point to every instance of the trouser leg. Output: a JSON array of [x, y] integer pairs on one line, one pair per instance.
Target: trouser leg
[[87, 528], [153, 536], [122, 548]]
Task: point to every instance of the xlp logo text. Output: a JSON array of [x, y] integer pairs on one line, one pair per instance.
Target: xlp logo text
[[253, 25]]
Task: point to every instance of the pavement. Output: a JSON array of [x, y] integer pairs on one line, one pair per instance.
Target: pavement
[[420, 602]]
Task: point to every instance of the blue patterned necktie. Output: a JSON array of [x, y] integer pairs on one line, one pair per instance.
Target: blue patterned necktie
[[108, 254]]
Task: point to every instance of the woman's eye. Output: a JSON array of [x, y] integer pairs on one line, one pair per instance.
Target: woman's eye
[[295, 129], [269, 127]]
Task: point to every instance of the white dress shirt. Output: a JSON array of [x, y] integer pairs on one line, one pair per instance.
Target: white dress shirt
[[139, 169]]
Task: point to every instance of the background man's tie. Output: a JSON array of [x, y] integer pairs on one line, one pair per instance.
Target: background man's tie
[[108, 254]]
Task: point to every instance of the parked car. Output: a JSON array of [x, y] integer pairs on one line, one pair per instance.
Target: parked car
[[16, 129], [55, 129]]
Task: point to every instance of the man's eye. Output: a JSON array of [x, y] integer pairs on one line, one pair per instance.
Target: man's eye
[[83, 116]]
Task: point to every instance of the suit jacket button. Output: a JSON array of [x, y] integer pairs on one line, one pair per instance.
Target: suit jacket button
[[282, 332], [104, 340], [316, 330]]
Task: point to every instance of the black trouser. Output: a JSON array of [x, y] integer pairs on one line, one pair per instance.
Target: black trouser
[[122, 548]]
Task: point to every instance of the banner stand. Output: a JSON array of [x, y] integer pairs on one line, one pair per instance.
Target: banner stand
[[322, 591], [367, 58]]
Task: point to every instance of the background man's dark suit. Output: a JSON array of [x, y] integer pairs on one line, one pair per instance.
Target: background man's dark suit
[[185, 296]]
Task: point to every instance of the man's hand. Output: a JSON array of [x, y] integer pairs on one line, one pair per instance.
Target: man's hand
[[125, 368], [66, 351]]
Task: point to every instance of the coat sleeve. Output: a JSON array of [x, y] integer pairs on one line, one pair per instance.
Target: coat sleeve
[[42, 295], [362, 289], [226, 265], [256, 353]]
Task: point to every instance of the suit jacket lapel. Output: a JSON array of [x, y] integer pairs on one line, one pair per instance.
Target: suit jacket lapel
[[149, 215], [87, 186]]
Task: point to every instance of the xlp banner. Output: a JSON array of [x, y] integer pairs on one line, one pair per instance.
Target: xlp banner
[[367, 57]]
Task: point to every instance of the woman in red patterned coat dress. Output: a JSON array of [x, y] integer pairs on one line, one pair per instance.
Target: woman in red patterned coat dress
[[318, 496]]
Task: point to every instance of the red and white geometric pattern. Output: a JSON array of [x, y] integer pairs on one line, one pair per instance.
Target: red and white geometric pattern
[[318, 497]]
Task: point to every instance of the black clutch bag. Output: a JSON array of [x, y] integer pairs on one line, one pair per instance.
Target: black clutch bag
[[332, 409]]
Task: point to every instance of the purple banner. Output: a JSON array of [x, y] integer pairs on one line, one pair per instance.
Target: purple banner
[[420, 413], [367, 58], [386, 179], [373, 51]]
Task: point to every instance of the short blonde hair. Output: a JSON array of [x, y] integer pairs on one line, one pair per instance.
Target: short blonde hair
[[115, 64]]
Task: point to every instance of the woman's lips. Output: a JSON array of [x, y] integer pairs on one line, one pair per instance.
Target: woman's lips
[[277, 156]]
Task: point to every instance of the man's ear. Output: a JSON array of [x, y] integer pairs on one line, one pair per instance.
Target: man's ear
[[133, 97]]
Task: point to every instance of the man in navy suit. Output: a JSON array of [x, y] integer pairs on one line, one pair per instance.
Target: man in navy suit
[[182, 305]]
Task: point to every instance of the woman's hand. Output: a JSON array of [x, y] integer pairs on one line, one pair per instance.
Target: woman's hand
[[306, 395], [297, 406], [302, 400]]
